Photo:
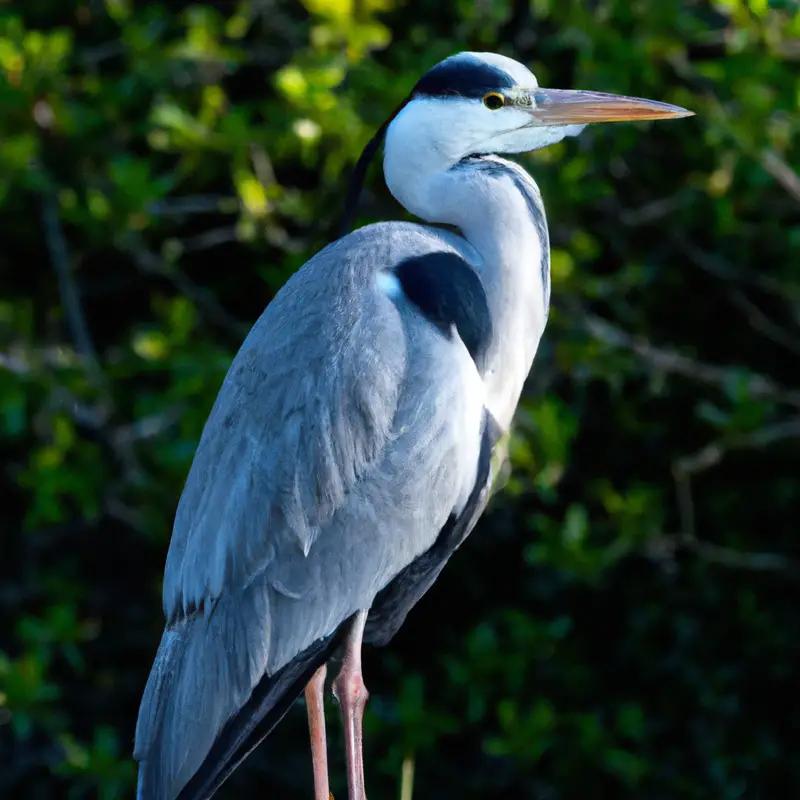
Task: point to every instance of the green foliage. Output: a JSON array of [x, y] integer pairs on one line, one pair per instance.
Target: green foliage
[[622, 622]]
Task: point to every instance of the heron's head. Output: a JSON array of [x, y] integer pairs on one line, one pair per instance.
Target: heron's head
[[479, 103], [487, 103]]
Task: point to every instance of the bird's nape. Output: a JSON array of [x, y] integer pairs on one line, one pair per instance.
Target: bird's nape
[[359, 174]]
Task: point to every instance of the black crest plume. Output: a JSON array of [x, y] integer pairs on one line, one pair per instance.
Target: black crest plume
[[359, 173]]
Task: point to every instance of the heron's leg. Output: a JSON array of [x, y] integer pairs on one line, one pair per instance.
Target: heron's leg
[[315, 696], [349, 690]]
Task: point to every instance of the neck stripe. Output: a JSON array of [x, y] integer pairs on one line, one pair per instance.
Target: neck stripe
[[495, 166]]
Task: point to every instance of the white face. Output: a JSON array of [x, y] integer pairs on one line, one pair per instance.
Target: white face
[[458, 127]]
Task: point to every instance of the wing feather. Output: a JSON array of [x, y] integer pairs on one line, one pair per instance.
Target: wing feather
[[306, 408]]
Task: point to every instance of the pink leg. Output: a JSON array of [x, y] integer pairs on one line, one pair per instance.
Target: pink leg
[[349, 690], [316, 728]]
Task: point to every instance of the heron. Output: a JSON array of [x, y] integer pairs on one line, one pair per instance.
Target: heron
[[349, 451]]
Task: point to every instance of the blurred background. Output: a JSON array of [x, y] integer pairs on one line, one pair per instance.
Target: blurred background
[[623, 623]]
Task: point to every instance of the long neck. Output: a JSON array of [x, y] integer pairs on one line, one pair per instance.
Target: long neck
[[498, 208]]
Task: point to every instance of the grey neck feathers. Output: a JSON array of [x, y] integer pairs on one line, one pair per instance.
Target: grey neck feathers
[[499, 209], [495, 166]]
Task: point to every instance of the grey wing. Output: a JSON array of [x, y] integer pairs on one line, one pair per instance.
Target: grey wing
[[344, 436], [305, 410]]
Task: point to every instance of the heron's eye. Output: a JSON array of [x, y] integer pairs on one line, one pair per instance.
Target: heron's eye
[[494, 101]]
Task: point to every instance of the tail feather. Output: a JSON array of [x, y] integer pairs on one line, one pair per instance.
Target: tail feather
[[209, 701], [271, 699], [204, 672]]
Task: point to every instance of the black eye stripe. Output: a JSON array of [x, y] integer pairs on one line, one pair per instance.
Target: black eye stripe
[[462, 76]]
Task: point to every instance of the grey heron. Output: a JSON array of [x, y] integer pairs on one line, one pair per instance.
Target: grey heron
[[348, 453]]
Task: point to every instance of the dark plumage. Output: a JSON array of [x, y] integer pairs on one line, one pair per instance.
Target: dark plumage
[[462, 76], [448, 291]]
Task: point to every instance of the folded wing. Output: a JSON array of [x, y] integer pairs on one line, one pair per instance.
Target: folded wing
[[347, 432]]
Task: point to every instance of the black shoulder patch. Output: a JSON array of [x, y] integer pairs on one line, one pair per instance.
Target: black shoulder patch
[[449, 292], [462, 76]]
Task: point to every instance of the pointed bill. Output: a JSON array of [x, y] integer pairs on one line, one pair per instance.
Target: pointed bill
[[575, 107]]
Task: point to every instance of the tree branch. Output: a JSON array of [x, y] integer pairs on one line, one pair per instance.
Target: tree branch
[[778, 168], [210, 238], [715, 265], [760, 322], [664, 550], [739, 559], [194, 204], [684, 468], [714, 452], [148, 262], [679, 364], [149, 427], [68, 290]]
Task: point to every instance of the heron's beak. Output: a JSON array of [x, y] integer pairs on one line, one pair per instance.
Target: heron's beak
[[572, 107]]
